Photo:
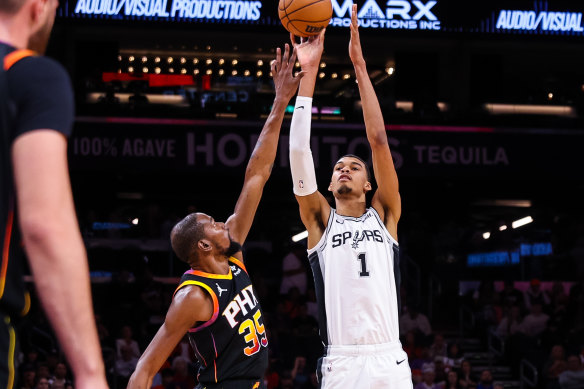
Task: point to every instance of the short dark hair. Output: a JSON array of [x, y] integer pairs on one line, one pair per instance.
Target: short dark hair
[[360, 159], [185, 235], [11, 6]]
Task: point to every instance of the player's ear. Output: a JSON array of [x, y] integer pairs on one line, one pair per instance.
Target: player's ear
[[330, 188], [367, 186], [37, 11], [204, 245]]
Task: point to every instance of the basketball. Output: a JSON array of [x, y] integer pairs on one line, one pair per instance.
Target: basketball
[[305, 17]]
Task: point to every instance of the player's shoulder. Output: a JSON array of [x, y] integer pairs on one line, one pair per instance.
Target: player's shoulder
[[38, 68], [190, 294]]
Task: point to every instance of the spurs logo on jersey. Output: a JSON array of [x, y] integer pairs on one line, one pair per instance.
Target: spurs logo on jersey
[[356, 274], [357, 236]]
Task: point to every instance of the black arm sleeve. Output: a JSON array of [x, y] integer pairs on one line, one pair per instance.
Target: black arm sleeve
[[41, 91]]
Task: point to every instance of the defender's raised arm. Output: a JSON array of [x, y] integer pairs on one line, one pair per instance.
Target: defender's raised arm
[[261, 161]]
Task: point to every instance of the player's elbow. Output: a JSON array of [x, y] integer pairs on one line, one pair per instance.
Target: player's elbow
[[38, 231], [378, 140]]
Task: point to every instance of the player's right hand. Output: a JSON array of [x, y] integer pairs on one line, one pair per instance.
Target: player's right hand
[[309, 51]]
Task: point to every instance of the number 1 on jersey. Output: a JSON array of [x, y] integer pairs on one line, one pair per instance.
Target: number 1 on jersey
[[364, 272]]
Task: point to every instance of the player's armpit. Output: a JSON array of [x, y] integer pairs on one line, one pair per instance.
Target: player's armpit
[[314, 213]]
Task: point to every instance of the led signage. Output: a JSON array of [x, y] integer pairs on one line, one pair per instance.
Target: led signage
[[539, 17], [189, 9], [540, 21], [397, 14]]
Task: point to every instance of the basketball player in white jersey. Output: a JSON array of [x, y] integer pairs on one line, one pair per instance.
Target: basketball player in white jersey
[[353, 250]]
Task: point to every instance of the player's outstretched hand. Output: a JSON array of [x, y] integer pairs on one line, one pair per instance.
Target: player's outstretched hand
[[285, 82], [309, 51], [355, 51]]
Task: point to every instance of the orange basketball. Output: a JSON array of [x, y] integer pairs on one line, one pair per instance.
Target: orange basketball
[[305, 17]]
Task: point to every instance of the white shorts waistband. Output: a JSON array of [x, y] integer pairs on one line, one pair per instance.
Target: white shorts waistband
[[363, 349]]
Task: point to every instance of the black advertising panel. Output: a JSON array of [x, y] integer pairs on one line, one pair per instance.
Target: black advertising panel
[[419, 151]]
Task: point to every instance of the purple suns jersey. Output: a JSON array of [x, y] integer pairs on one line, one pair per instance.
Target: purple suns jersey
[[356, 273], [233, 344]]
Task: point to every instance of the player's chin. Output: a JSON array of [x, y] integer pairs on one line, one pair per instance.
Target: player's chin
[[344, 189]]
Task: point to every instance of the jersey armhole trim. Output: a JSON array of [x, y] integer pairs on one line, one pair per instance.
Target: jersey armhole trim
[[15, 56], [238, 263], [322, 242], [213, 297], [393, 240]]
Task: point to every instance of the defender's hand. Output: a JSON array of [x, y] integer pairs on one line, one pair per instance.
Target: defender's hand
[[309, 51], [285, 82], [355, 52]]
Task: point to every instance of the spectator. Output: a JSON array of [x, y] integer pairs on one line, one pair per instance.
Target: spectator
[[510, 296], [28, 376], [511, 324], [573, 377], [438, 347], [558, 296], [452, 381], [42, 383], [32, 358], [428, 377], [292, 303], [125, 366], [294, 270], [272, 378], [454, 356], [182, 378], [414, 321], [167, 379], [311, 305], [486, 381], [534, 295], [312, 382], [59, 380], [535, 323], [441, 371], [43, 371], [411, 346], [127, 341], [555, 365], [299, 373], [286, 380], [498, 385], [467, 378]]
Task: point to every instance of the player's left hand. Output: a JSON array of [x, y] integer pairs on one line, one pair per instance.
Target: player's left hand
[[285, 82], [355, 52]]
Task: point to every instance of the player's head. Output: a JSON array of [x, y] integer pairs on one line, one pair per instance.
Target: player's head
[[33, 18], [350, 177], [198, 235]]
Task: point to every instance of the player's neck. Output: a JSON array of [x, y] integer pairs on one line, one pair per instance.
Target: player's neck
[[11, 34], [212, 265], [350, 207]]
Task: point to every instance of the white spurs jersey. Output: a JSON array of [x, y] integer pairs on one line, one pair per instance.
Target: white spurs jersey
[[356, 274]]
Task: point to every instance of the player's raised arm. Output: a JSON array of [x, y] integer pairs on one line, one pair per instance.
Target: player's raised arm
[[386, 199], [189, 305], [314, 209], [261, 161]]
